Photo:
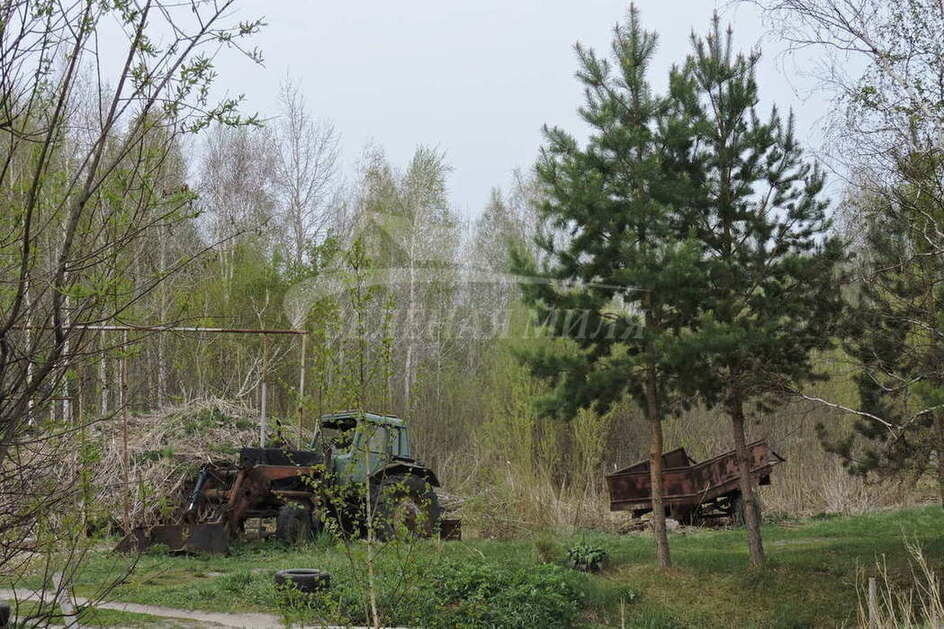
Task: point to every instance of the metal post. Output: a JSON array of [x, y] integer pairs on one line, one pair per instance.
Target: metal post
[[301, 391], [262, 416], [123, 375]]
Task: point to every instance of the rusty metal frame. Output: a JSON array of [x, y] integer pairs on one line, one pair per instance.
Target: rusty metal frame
[[687, 486]]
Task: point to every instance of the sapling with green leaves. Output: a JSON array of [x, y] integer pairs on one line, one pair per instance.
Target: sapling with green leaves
[[364, 507], [81, 189]]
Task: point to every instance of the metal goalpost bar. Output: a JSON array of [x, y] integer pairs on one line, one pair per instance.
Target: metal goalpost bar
[[201, 330]]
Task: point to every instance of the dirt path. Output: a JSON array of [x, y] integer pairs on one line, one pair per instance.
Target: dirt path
[[211, 619]]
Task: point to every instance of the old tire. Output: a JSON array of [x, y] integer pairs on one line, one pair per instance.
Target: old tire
[[406, 503], [294, 525], [304, 579]]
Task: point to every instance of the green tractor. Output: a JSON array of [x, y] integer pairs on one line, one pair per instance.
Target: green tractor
[[364, 450], [358, 473]]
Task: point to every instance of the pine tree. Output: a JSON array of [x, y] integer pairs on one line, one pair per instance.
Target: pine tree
[[770, 297], [616, 252]]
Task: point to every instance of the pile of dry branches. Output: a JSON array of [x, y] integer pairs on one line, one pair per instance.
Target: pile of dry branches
[[148, 482]]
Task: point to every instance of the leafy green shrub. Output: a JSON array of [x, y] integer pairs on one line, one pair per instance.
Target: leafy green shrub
[[236, 582], [157, 550], [478, 594], [586, 557]]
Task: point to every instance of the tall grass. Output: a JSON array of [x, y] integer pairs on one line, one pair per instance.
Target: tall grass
[[885, 604]]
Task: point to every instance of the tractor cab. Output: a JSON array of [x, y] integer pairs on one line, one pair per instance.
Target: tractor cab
[[335, 432], [363, 442]]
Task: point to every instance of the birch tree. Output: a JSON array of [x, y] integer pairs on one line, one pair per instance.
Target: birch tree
[[414, 233], [237, 201], [306, 163], [883, 66]]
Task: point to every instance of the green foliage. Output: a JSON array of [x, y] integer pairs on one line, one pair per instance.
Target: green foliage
[[768, 298], [477, 594], [157, 550], [547, 549], [343, 503], [687, 240], [467, 593], [893, 332], [586, 557], [206, 418]]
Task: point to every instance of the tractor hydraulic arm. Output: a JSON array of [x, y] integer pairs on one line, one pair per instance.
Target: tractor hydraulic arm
[[197, 491]]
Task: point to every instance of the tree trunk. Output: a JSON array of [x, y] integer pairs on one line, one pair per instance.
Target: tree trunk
[[163, 234], [746, 484], [408, 332], [939, 450], [103, 375], [655, 470]]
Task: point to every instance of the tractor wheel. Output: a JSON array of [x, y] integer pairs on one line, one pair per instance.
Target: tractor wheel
[[406, 504], [294, 525]]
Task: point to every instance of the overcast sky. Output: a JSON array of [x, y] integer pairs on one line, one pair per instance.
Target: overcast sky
[[477, 79]]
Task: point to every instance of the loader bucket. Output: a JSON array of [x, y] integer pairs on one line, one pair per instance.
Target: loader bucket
[[212, 538]]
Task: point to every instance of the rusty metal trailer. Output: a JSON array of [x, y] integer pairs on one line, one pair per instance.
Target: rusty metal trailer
[[692, 491]]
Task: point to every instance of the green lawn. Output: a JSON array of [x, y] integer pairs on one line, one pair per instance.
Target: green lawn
[[810, 581]]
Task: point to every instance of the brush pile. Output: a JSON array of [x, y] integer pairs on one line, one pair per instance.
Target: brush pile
[[166, 449]]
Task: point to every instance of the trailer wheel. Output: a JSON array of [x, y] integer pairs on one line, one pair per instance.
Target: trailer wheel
[[406, 503], [294, 525]]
